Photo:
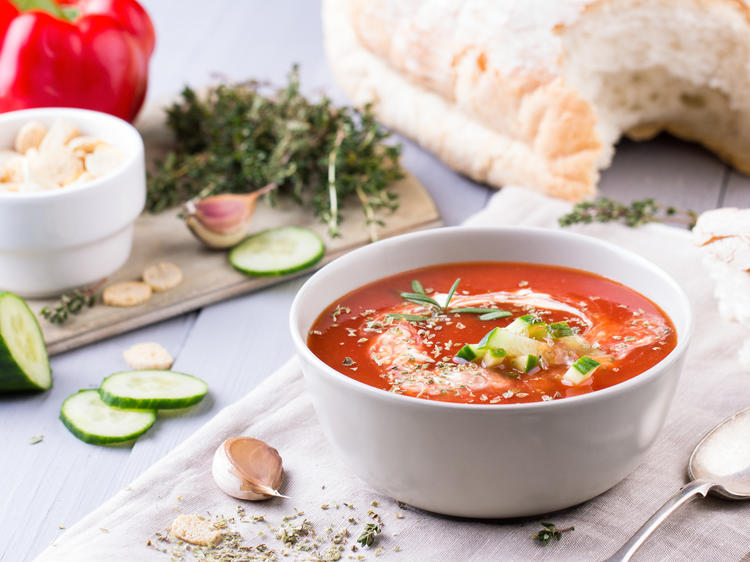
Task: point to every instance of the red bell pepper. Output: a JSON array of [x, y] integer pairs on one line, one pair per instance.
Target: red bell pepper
[[92, 54]]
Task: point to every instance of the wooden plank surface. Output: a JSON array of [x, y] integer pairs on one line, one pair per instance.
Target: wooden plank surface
[[237, 343]]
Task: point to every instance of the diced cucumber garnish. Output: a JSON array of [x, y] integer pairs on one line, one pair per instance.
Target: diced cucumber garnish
[[95, 422], [152, 390], [576, 343], [513, 344], [525, 363], [470, 352], [493, 357], [581, 370], [24, 364], [529, 326], [560, 330], [277, 251]]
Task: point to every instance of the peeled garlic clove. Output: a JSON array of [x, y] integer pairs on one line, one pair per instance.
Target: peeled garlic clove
[[248, 469], [221, 221]]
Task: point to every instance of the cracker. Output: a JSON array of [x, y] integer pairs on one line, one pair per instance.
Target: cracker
[[162, 276], [195, 530], [11, 167], [30, 136], [147, 355], [127, 293]]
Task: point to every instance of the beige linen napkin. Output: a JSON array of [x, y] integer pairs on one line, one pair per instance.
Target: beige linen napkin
[[279, 412]]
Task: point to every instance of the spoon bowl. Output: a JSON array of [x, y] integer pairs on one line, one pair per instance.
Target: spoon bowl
[[723, 458], [720, 464]]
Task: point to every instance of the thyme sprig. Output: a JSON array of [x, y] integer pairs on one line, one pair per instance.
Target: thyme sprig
[[239, 137], [548, 532], [637, 213], [69, 303], [367, 538]]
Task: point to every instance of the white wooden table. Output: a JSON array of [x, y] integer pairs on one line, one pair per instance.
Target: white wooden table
[[235, 344]]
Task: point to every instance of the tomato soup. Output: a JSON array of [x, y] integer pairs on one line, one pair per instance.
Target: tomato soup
[[492, 333]]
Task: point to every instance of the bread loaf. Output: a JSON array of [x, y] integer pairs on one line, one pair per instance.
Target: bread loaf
[[536, 93]]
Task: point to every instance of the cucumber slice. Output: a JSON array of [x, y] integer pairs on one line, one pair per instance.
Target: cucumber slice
[[277, 251], [93, 421], [525, 363], [152, 390], [24, 364], [581, 370]]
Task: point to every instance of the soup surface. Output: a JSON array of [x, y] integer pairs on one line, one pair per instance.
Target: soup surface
[[509, 333]]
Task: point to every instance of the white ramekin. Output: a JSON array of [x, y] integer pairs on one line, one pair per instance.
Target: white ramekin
[[53, 241], [490, 460]]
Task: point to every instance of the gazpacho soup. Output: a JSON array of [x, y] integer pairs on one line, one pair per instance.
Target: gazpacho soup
[[492, 333]]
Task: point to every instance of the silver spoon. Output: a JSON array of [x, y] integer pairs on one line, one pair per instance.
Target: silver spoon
[[720, 463]]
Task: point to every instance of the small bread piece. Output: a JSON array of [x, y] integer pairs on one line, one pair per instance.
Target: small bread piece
[[56, 166], [195, 530], [58, 136], [103, 160], [127, 293], [162, 276], [84, 144], [11, 167], [147, 355], [30, 136]]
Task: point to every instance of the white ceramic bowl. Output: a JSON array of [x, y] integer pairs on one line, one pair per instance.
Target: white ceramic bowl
[[480, 460], [53, 241]]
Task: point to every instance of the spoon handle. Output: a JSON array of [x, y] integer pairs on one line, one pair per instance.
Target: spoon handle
[[688, 492]]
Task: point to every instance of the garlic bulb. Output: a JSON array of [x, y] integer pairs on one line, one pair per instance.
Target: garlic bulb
[[221, 221], [247, 469]]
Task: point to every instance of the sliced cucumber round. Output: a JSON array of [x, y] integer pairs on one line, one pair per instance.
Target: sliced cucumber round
[[277, 251], [24, 364], [152, 390], [95, 422]]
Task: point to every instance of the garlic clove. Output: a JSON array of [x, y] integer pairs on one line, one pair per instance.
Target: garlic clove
[[247, 469], [221, 221]]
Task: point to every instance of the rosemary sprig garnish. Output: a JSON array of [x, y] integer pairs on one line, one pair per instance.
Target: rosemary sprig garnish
[[408, 317], [636, 213], [239, 137], [69, 303], [367, 538], [419, 296], [548, 532]]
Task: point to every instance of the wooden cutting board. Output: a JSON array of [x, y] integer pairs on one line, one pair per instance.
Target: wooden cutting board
[[208, 277]]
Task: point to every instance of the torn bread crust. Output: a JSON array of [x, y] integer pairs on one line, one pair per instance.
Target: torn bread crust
[[533, 94], [195, 530]]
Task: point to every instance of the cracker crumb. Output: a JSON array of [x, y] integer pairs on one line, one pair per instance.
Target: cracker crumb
[[162, 276], [195, 530], [147, 355]]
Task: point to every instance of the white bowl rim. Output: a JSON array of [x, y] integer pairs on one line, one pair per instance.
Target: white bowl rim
[[91, 184], [570, 402]]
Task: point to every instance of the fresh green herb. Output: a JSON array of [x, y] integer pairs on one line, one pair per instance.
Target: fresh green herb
[[549, 532], [560, 330], [637, 213], [416, 286], [472, 310], [418, 298], [69, 303], [238, 139], [408, 317], [495, 314], [367, 538], [450, 294]]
